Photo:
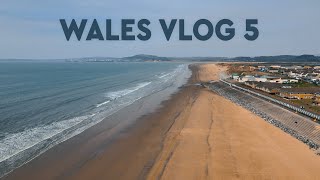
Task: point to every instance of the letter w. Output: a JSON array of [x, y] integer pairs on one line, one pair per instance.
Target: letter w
[[73, 28]]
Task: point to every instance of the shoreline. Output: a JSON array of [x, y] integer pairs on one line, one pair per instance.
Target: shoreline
[[194, 134], [101, 137], [70, 108]]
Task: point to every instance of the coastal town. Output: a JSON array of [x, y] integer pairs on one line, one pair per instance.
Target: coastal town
[[296, 84]]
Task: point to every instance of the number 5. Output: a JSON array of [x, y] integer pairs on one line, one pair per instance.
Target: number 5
[[251, 28]]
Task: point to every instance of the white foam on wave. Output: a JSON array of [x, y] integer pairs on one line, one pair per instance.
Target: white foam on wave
[[121, 93], [101, 104], [173, 74], [165, 75], [15, 143]]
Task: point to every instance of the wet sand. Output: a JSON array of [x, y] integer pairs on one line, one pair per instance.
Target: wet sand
[[194, 135], [112, 151]]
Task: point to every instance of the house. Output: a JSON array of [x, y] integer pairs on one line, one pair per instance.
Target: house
[[286, 80], [296, 67], [260, 79], [283, 80], [307, 67], [275, 67], [316, 67], [313, 77], [272, 88], [262, 68], [235, 76], [290, 80], [247, 78], [276, 80], [271, 70], [299, 93], [271, 79], [294, 74]]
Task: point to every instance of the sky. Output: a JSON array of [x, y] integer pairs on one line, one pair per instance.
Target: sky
[[31, 28]]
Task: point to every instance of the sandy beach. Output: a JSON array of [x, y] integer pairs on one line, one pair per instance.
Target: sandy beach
[[196, 134], [220, 140]]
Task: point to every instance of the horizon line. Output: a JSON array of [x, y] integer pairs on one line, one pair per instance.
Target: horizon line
[[230, 57]]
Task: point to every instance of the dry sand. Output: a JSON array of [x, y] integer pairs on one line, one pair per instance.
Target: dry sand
[[217, 139]]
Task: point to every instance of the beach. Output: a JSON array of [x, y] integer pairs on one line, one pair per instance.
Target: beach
[[194, 134]]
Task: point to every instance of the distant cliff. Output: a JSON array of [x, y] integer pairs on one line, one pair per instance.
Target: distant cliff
[[145, 57], [153, 58]]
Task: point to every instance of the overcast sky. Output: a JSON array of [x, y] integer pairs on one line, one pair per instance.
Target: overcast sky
[[31, 28]]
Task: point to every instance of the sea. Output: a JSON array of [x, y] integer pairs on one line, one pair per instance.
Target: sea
[[45, 103]]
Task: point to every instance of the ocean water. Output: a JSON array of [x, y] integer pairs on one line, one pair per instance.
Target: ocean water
[[45, 103]]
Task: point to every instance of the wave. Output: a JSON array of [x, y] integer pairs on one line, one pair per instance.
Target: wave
[[101, 104], [19, 148], [121, 93], [15, 143], [165, 75]]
